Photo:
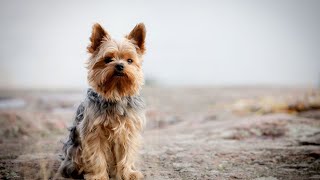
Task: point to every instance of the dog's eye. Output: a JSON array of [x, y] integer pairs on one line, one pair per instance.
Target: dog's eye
[[130, 61], [108, 60]]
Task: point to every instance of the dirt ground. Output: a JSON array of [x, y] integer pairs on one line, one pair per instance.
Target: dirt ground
[[192, 133]]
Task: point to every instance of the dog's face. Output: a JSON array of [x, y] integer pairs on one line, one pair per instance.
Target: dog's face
[[114, 68]]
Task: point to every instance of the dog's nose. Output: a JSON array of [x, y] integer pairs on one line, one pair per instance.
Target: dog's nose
[[119, 67]]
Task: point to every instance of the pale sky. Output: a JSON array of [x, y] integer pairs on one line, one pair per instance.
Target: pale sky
[[201, 42]]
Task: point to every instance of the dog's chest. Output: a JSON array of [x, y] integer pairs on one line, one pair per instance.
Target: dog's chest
[[111, 111], [94, 98]]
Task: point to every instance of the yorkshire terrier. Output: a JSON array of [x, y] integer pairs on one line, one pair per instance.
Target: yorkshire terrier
[[106, 133]]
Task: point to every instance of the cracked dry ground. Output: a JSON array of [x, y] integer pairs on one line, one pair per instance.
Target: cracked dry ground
[[192, 133]]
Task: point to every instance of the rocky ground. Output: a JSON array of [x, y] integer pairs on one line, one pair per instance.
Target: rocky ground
[[192, 133]]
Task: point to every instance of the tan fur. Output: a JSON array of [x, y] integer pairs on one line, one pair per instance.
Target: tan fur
[[100, 75], [110, 148], [109, 143]]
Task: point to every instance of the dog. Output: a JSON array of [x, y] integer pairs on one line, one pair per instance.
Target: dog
[[106, 133]]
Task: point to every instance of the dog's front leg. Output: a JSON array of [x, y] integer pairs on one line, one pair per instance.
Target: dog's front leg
[[94, 146], [125, 149]]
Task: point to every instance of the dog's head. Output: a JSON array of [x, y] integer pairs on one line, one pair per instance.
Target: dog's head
[[114, 68]]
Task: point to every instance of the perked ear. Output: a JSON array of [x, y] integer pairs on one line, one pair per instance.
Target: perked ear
[[137, 36], [98, 34]]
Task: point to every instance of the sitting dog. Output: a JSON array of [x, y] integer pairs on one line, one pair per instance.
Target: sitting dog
[[106, 133]]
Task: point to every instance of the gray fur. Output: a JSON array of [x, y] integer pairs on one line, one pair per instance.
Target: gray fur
[[97, 105], [102, 106]]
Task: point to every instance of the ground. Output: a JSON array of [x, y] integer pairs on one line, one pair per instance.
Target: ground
[[191, 133]]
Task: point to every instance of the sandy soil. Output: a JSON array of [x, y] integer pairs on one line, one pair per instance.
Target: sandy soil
[[192, 133]]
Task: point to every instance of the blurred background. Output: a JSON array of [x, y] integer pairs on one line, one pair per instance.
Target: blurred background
[[43, 43], [232, 86]]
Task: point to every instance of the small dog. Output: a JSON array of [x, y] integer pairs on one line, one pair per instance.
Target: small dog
[[105, 136]]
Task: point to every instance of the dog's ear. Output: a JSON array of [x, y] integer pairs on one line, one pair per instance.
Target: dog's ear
[[98, 34], [137, 36]]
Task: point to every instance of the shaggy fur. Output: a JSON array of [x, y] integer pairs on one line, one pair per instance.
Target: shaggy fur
[[105, 136]]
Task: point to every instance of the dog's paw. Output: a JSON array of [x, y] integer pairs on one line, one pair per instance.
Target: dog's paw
[[94, 177], [135, 175], [131, 175]]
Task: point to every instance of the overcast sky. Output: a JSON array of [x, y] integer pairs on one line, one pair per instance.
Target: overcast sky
[[238, 42]]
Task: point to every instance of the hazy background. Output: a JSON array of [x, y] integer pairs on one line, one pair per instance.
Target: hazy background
[[248, 42]]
